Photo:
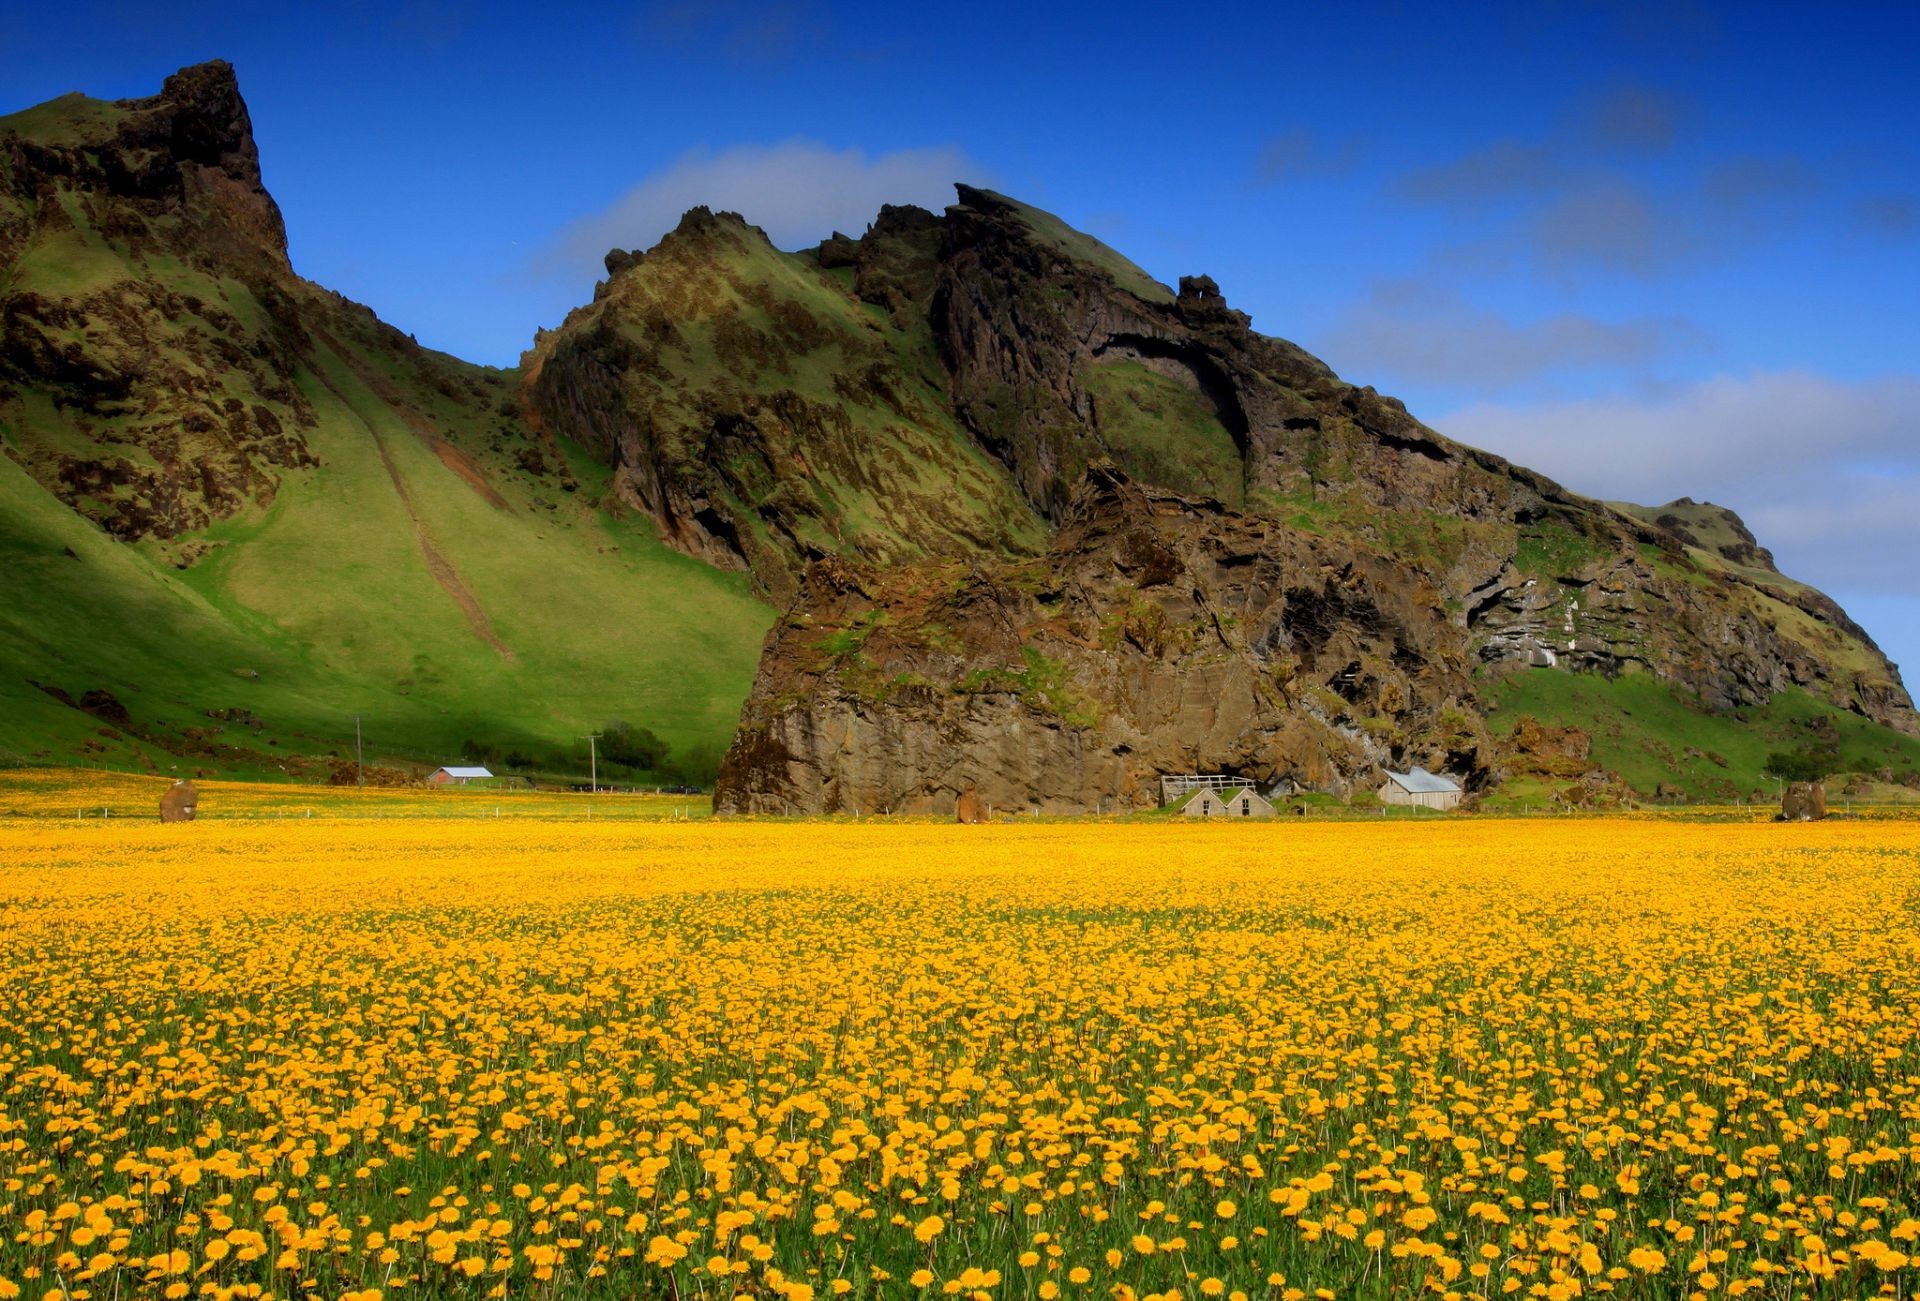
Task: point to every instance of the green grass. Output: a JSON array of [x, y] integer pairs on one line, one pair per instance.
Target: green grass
[[322, 607], [71, 119], [1643, 728], [1163, 432], [1550, 549]]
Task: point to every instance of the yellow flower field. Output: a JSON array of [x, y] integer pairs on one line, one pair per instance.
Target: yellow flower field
[[1552, 1058]]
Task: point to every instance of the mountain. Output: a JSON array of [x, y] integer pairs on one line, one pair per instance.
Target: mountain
[[1257, 568], [985, 504], [237, 510]]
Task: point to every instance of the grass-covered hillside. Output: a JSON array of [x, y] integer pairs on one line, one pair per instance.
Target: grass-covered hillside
[[1658, 739], [237, 511]]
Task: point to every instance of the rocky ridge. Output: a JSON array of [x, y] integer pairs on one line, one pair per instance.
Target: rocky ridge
[[1041, 524]]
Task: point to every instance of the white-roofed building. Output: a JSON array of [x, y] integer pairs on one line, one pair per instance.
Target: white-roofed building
[[1420, 788], [459, 776]]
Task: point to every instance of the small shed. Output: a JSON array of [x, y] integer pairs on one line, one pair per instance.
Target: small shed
[[1242, 803], [1420, 788], [458, 776]]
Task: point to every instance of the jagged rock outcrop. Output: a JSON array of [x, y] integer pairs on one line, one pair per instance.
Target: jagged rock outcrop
[[763, 416], [1159, 633], [1053, 348], [160, 363]]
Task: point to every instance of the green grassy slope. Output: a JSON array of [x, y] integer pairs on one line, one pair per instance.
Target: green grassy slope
[[1652, 735], [1159, 430], [322, 607], [225, 491]]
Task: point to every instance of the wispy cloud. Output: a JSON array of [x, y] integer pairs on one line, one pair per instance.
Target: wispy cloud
[[751, 31], [799, 192], [1493, 173], [1413, 332], [1598, 193], [1611, 224], [1633, 119], [1300, 153], [1889, 214]]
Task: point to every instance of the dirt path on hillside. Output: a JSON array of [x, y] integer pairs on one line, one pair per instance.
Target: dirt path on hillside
[[462, 464], [438, 565]]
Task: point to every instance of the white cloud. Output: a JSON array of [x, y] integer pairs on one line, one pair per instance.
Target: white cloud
[[1825, 471], [1418, 333], [799, 192]]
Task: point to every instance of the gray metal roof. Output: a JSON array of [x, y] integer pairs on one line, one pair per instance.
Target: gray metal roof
[[466, 772], [1421, 782]]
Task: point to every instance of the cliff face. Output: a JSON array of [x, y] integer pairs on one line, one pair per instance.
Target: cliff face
[[1079, 374], [1159, 633], [1163, 634]]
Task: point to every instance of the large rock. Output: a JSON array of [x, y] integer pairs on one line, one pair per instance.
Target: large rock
[[1160, 633], [1803, 802], [181, 802]]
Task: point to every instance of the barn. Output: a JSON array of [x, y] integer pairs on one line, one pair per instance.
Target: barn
[[1244, 802], [458, 776], [1421, 789]]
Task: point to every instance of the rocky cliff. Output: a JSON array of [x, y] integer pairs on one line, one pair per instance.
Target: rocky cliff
[[1041, 525], [1158, 633], [1379, 576], [160, 362]]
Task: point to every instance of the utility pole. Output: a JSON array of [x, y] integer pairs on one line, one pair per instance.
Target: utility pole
[[593, 762], [359, 759]]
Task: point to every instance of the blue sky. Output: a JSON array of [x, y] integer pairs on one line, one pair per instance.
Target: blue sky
[[1652, 249]]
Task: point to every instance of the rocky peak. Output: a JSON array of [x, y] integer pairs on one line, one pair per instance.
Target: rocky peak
[[701, 228], [179, 170], [207, 120], [1201, 303]]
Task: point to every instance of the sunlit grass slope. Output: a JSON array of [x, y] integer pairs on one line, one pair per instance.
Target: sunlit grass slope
[[237, 511]]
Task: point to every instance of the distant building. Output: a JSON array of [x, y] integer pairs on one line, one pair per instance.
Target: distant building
[[1420, 788], [458, 776], [1207, 802]]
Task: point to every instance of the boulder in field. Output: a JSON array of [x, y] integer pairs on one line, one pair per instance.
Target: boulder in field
[[180, 803]]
